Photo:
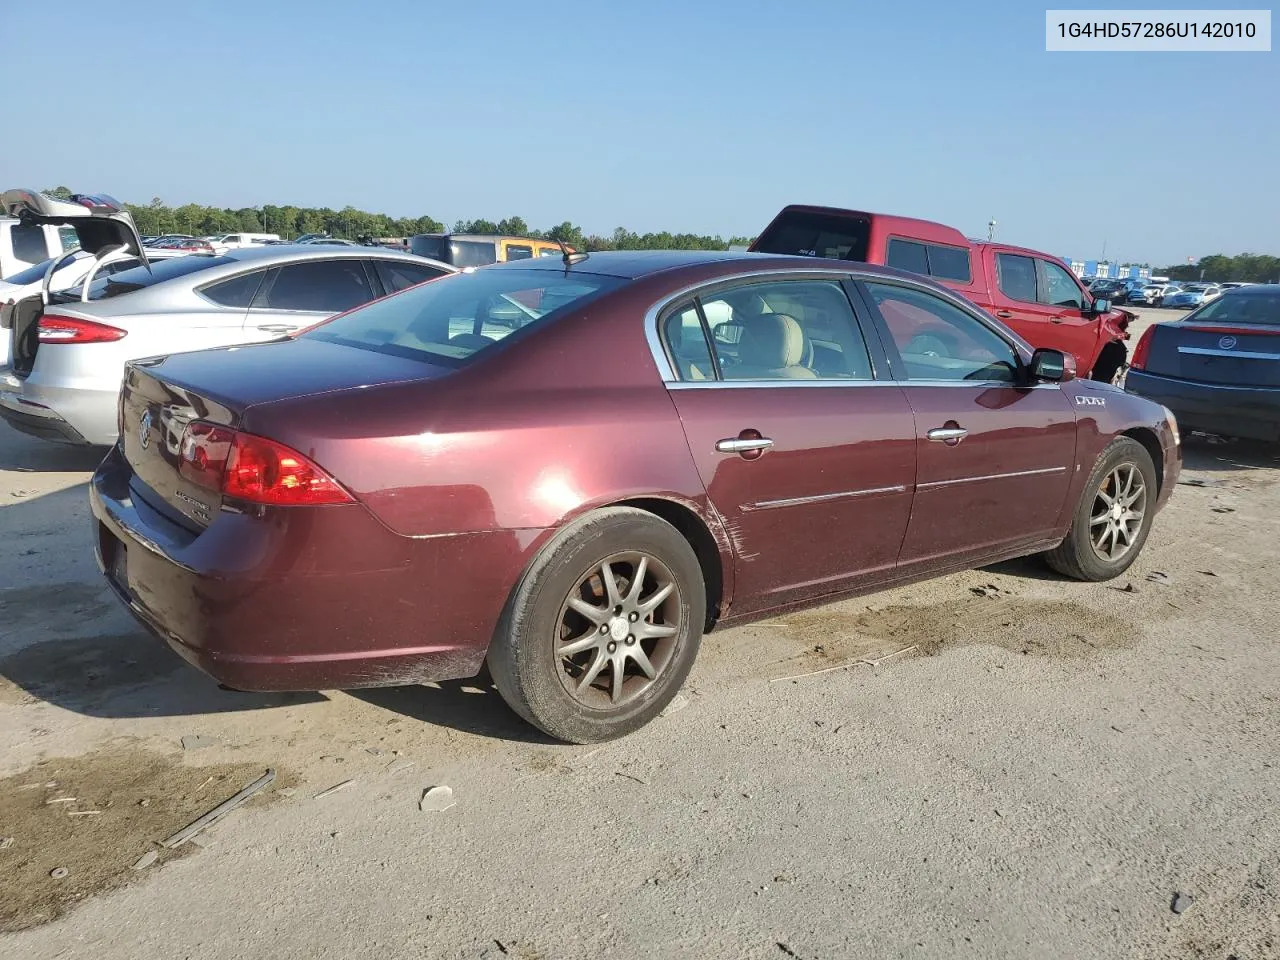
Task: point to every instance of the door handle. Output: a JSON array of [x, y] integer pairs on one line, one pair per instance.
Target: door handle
[[1004, 314], [951, 435], [743, 444]]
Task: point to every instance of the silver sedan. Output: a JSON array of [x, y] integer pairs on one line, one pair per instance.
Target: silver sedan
[[67, 357]]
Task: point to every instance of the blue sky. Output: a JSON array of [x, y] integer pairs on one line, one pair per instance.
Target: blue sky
[[700, 116]]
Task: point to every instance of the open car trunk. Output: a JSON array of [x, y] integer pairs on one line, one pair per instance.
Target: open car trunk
[[103, 227]]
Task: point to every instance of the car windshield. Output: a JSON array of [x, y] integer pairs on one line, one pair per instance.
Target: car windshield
[[104, 288], [447, 321], [1262, 308]]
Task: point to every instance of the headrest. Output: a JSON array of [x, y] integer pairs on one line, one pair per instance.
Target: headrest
[[772, 341]]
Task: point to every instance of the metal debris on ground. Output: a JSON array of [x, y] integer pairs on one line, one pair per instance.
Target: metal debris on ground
[[146, 860], [1224, 509], [436, 799], [83, 813], [334, 789], [1156, 576], [59, 800], [198, 741], [1181, 901], [59, 873], [218, 812], [814, 673]]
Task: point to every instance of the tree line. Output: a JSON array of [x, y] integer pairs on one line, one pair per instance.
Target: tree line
[[157, 218], [1219, 268]]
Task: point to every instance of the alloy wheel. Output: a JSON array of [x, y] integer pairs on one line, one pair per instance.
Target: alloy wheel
[[617, 630], [1118, 509]]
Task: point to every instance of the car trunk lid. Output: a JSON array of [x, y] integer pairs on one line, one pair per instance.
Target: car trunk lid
[[1221, 353], [161, 396]]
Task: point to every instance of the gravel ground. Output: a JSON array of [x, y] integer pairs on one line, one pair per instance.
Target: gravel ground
[[1048, 769]]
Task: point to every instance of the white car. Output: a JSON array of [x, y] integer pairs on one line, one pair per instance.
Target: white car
[[239, 241], [68, 351], [22, 245], [75, 269]]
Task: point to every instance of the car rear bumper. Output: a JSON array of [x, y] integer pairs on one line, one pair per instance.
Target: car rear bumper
[[1248, 412], [63, 414], [304, 599]]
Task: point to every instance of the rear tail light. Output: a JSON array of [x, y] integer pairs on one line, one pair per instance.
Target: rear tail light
[[53, 328], [246, 467], [1140, 351]]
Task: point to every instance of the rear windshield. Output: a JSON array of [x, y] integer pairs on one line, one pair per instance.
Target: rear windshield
[[104, 288], [816, 235], [1242, 308], [34, 274], [447, 321]]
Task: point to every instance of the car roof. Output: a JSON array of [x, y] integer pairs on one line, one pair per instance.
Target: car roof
[[278, 252], [637, 264], [1254, 290]]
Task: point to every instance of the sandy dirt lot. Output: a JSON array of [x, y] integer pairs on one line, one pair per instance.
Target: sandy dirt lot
[[1041, 776]]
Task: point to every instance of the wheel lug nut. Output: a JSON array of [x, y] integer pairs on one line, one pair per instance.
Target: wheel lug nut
[[634, 617], [612, 646], [604, 628], [631, 639]]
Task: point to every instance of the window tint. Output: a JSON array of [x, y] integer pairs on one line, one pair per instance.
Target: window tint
[[518, 252], [28, 243], [397, 276], [463, 314], [1016, 276], [1060, 287], [816, 235], [549, 252], [471, 253], [236, 292], [907, 255], [786, 330], [939, 341], [231, 238], [949, 263], [320, 286], [104, 288], [433, 248], [687, 344]]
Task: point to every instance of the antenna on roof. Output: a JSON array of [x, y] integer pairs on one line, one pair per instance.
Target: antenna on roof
[[570, 257]]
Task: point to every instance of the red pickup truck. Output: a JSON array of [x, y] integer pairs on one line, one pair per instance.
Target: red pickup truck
[[1034, 293]]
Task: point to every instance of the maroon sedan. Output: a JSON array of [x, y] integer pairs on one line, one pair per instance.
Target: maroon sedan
[[574, 469]]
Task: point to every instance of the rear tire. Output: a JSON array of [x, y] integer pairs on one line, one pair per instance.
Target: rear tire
[[1107, 506], [584, 662]]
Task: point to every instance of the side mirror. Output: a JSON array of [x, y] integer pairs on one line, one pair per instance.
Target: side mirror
[[1051, 366], [1101, 305]]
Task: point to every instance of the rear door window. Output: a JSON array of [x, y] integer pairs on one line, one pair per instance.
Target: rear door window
[[103, 288], [397, 276], [519, 252], [236, 292], [1016, 276], [319, 286]]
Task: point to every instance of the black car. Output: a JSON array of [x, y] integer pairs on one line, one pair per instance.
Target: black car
[[1117, 291], [1218, 368]]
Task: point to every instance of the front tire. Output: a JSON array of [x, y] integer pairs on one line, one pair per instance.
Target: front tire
[[603, 628], [1113, 517], [1111, 360]]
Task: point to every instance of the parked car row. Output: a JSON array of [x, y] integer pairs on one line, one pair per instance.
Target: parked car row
[[451, 452]]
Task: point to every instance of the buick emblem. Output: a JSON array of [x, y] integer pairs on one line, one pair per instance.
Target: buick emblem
[[1226, 343], [144, 430]]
